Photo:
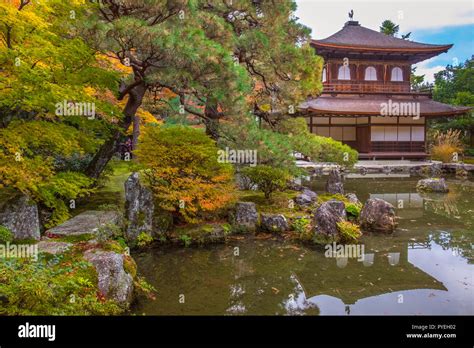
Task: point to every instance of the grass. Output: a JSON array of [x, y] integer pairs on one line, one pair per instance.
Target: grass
[[111, 192]]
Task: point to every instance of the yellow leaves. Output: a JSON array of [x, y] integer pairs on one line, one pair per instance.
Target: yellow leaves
[[90, 91], [146, 117], [108, 61]]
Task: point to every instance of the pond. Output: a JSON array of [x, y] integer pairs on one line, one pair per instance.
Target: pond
[[425, 267]]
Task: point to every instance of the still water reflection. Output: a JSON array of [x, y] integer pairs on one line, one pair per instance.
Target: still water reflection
[[425, 267]]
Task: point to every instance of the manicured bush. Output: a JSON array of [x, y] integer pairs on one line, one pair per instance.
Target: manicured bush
[[267, 178], [181, 168]]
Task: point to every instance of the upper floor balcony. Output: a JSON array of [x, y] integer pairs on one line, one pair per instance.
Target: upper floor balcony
[[373, 88]]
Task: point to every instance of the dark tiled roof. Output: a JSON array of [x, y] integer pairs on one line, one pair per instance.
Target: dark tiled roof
[[372, 105], [353, 34]]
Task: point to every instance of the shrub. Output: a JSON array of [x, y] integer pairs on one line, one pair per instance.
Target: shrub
[[302, 227], [57, 287], [29, 154], [5, 235], [182, 170], [349, 231], [187, 240], [446, 146], [318, 148], [353, 210], [268, 179]]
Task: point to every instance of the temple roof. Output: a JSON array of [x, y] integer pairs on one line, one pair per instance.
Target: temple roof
[[349, 105], [354, 37]]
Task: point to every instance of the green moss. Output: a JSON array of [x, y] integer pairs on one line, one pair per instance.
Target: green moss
[[141, 218], [113, 245], [281, 202], [200, 234], [144, 239], [328, 196], [111, 190], [76, 238], [6, 235], [25, 241], [130, 266], [64, 284]]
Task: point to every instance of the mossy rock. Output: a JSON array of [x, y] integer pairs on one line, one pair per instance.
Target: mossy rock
[[202, 234]]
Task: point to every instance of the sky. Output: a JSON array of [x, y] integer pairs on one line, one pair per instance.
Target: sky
[[429, 21]]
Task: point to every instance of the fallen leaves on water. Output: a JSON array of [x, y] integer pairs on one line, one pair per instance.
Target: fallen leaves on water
[[236, 237], [275, 290], [293, 247], [264, 236]]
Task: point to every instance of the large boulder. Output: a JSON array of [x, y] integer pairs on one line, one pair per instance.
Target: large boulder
[[139, 208], [378, 215], [88, 222], [335, 182], [432, 185], [113, 281], [19, 214], [327, 216], [306, 197], [273, 223], [246, 216]]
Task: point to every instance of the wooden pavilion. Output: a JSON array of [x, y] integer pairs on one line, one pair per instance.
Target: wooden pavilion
[[367, 101]]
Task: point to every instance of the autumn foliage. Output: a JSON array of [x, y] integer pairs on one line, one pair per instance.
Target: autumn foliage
[[182, 170]]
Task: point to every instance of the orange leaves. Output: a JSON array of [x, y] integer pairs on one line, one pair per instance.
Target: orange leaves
[[183, 172]]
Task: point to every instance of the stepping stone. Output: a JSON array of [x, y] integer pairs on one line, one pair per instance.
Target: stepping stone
[[53, 248], [87, 222]]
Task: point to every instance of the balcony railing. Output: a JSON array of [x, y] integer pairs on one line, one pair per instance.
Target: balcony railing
[[370, 88]]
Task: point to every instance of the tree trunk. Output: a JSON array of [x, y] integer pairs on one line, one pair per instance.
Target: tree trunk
[[107, 150], [212, 120], [136, 132]]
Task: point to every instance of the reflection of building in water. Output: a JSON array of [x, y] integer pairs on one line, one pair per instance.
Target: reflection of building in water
[[409, 205], [380, 272], [419, 245]]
